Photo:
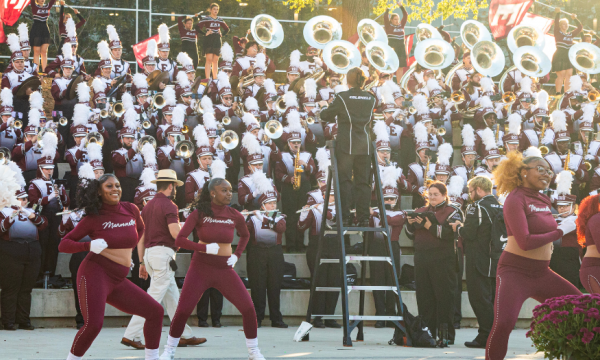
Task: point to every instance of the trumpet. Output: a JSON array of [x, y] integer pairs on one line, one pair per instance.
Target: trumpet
[[17, 124], [63, 121], [441, 131], [586, 148], [104, 113], [185, 129], [226, 120]]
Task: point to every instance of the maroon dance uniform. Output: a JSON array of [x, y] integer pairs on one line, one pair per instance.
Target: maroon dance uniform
[[395, 34], [40, 33], [590, 266], [211, 271], [212, 42], [564, 41], [528, 218], [101, 281]]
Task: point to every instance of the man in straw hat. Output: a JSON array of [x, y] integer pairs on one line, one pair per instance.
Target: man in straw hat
[[157, 250]]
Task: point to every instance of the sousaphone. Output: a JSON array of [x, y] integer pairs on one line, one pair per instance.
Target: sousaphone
[[369, 30], [155, 78], [321, 30], [585, 57], [524, 35], [267, 31], [471, 32], [340, 56], [532, 61], [426, 31], [487, 58], [434, 54], [382, 57]]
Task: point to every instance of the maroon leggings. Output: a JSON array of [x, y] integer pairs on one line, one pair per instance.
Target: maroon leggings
[[517, 279], [590, 274], [101, 281], [211, 271]]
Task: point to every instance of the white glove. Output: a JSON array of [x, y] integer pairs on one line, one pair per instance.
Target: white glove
[[51, 196], [422, 190], [27, 211], [232, 260], [589, 157], [213, 249], [567, 226], [134, 145], [65, 217], [11, 120], [96, 246]]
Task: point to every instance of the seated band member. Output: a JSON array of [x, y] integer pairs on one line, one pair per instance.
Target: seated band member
[[588, 224]]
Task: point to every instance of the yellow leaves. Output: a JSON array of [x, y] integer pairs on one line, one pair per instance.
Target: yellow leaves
[[298, 5], [426, 11]]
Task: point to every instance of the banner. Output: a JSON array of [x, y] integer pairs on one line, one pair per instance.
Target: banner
[[543, 24], [13, 10], [408, 44], [2, 37], [506, 14], [139, 50]]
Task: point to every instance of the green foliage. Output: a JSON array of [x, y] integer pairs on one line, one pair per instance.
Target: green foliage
[[426, 10], [298, 5]]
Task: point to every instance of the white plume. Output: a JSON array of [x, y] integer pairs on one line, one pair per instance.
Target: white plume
[[34, 118], [169, 96], [532, 151], [542, 100], [432, 84], [514, 124], [295, 58], [50, 142], [588, 112], [163, 34], [182, 79], [456, 186], [86, 171], [98, 85], [223, 80], [147, 177], [380, 130], [249, 119], [83, 92], [564, 181], [70, 27], [8, 187], [103, 50], [310, 88], [218, 168], [421, 135], [251, 104], [18, 173], [127, 101], [293, 119], [445, 152], [209, 121], [36, 100], [485, 102], [323, 160], [131, 119], [201, 136], [261, 182], [559, 121], [468, 135], [81, 114], [184, 59], [139, 80], [13, 42], [250, 142], [487, 84], [420, 103], [151, 48], [207, 105], [270, 86], [291, 99], [526, 84], [94, 152], [178, 117], [226, 52], [261, 61], [575, 83], [149, 154], [387, 92], [6, 96], [112, 33], [488, 138], [24, 32], [389, 176]]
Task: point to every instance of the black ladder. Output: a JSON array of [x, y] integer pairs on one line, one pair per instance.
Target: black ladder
[[350, 322]]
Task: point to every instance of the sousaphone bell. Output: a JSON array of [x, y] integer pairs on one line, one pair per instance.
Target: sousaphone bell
[[472, 32], [267, 31], [532, 61], [184, 149], [434, 54], [382, 57], [487, 58], [524, 35], [94, 137], [321, 30], [229, 139], [585, 57], [4, 156], [273, 129], [369, 30], [146, 140], [426, 31], [340, 56]]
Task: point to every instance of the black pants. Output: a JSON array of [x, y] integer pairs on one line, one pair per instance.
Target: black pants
[[385, 301], [435, 277], [215, 298], [458, 293], [74, 264], [292, 201], [565, 262], [49, 240], [265, 275], [191, 49], [232, 174], [19, 268], [22, 106], [482, 292], [324, 302], [128, 186], [355, 183]]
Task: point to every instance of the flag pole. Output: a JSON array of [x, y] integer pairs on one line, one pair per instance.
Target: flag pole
[[562, 11]]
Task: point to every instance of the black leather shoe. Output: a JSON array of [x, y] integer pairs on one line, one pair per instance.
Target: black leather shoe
[[318, 323], [258, 323], [457, 325], [477, 344], [202, 324], [379, 324], [26, 326], [217, 324], [332, 324], [279, 324], [10, 327]]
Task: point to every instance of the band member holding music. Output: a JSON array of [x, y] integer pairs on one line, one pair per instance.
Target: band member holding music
[[16, 77], [64, 20], [265, 254], [52, 198], [91, 170], [20, 257], [213, 262], [78, 61], [564, 40], [127, 162], [436, 260], [417, 171], [587, 235], [523, 270], [40, 33], [394, 28], [213, 28], [30, 66], [9, 134], [188, 35], [101, 278]]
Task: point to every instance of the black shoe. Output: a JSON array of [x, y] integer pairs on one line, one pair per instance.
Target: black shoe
[[202, 323], [456, 325], [348, 222], [332, 324], [26, 326], [258, 323], [279, 324], [80, 325], [318, 323], [379, 324], [476, 343], [450, 342], [10, 327], [363, 223], [217, 324], [390, 325]]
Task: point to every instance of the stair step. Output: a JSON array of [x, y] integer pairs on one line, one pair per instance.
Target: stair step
[[360, 317], [353, 287], [354, 258]]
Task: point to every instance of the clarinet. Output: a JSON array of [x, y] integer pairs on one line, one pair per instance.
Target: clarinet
[[55, 187]]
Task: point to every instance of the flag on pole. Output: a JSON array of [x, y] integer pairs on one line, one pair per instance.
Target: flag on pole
[[12, 10], [408, 44], [2, 36], [506, 14], [139, 49], [543, 24]]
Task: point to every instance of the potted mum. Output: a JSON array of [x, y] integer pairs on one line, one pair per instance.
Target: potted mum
[[567, 327]]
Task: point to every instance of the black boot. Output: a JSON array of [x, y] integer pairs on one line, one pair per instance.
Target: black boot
[[318, 323], [332, 324]]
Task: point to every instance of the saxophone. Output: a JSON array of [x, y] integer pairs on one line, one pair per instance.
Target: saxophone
[[543, 149], [427, 182], [298, 170], [567, 161]]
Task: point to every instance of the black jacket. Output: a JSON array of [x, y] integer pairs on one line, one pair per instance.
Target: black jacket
[[477, 233], [353, 109]]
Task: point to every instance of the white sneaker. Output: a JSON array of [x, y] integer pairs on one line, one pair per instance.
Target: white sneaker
[[255, 355], [168, 354]]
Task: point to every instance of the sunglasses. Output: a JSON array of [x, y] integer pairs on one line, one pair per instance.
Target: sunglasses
[[542, 170]]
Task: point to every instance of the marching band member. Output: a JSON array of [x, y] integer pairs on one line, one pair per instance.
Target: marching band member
[[167, 112], [417, 171], [327, 93], [471, 91], [127, 162], [523, 266], [104, 67], [119, 67], [587, 235], [183, 92], [383, 148], [147, 189], [27, 153], [139, 89], [149, 61], [457, 197], [227, 107], [565, 255], [315, 196], [20, 252], [489, 118], [292, 193], [462, 75], [385, 301], [16, 77], [258, 73], [540, 109], [512, 138], [534, 137], [265, 254], [188, 35], [250, 142], [195, 179], [513, 80], [267, 105], [575, 96], [394, 28], [247, 192], [219, 152], [210, 86], [63, 106], [88, 171], [243, 64], [441, 169], [312, 63], [77, 154], [468, 154], [564, 40], [163, 63], [30, 66], [292, 72], [290, 99], [239, 43], [63, 23], [490, 155], [213, 28], [187, 67], [51, 198], [78, 61], [9, 135], [522, 105], [435, 260], [329, 273]]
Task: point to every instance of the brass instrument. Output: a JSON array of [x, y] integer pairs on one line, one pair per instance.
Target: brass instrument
[[63, 121], [434, 54], [441, 131], [55, 188], [17, 124], [229, 139], [426, 31], [585, 57], [273, 129], [340, 56], [4, 156], [457, 97], [104, 113], [543, 149], [94, 137], [586, 148], [239, 111], [41, 133], [450, 75], [503, 79], [524, 35], [382, 57], [369, 30], [374, 82], [593, 95], [146, 124], [158, 101], [532, 61], [487, 58], [567, 161], [321, 30], [198, 108], [404, 79], [267, 31], [184, 149], [427, 181], [118, 110], [280, 105], [226, 120], [472, 32], [298, 170], [146, 140], [245, 81]]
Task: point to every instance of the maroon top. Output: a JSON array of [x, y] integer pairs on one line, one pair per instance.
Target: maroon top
[[438, 236], [592, 232], [216, 229], [121, 226], [395, 31], [41, 12], [208, 23], [185, 34], [5, 223], [529, 219], [62, 27], [565, 41], [158, 214]]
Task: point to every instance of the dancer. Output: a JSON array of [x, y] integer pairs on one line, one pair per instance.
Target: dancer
[[40, 33], [212, 263], [101, 278], [588, 224], [64, 18], [394, 28], [523, 268], [188, 35], [564, 40], [213, 28]]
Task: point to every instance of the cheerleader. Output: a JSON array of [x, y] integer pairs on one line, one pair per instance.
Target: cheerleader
[[523, 270], [64, 18], [213, 28], [185, 25], [588, 225], [564, 40], [40, 33], [394, 28]]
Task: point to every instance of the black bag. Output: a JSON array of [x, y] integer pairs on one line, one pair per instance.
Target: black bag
[[407, 277], [498, 235], [289, 270], [417, 331]]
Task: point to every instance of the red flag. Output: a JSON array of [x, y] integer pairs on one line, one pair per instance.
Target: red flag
[[543, 24], [2, 37], [408, 44], [139, 50], [506, 14], [13, 10]]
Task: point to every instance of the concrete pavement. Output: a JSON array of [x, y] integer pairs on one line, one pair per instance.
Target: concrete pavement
[[228, 343]]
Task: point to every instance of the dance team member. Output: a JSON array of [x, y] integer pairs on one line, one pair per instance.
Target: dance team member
[[564, 40], [588, 235], [40, 33], [213, 28]]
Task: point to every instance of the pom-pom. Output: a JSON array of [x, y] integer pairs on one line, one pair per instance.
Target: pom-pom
[[532, 151], [223, 80], [182, 79], [270, 87], [294, 125], [8, 187], [421, 134], [18, 173], [149, 154], [147, 177], [169, 96], [209, 121], [456, 186], [525, 84], [445, 152], [250, 142], [310, 88], [50, 142], [485, 102], [575, 83], [262, 183], [112, 33], [6, 96], [23, 32], [251, 104], [140, 81], [564, 181], [218, 169], [178, 116], [291, 99], [151, 48], [201, 136], [163, 34], [380, 130], [542, 100], [514, 124], [36, 100], [387, 92], [70, 27], [588, 112], [86, 172], [184, 59], [389, 176], [226, 52], [488, 138], [468, 135], [207, 105], [94, 152], [83, 92], [420, 103], [81, 114], [559, 121], [487, 84], [295, 58], [13, 42], [103, 50]]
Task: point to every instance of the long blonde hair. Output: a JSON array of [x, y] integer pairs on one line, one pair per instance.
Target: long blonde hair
[[507, 174]]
